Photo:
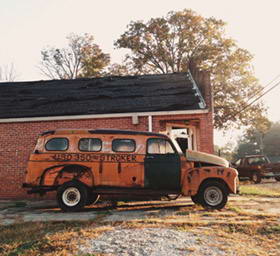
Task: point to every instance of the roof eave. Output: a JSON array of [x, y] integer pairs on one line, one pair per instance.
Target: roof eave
[[97, 116]]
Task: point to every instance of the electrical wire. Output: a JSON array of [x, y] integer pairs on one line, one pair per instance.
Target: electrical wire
[[251, 103], [263, 88]]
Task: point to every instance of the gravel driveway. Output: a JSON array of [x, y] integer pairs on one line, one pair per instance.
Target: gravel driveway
[[151, 242]]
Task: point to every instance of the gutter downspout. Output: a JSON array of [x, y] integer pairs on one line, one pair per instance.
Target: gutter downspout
[[150, 123]]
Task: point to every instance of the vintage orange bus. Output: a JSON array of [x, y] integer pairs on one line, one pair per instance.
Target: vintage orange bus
[[80, 165]]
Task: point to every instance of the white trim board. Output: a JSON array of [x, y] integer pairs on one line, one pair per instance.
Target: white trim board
[[114, 115]]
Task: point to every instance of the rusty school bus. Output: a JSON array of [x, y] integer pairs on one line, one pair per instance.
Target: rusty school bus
[[81, 165]]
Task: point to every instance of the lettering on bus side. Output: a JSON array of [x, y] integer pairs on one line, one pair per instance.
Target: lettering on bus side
[[79, 157]]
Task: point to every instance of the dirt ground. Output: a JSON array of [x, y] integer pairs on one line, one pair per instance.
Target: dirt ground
[[46, 210], [248, 225]]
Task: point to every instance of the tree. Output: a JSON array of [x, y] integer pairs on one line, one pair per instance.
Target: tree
[[246, 146], [82, 58], [8, 73], [225, 151], [119, 70], [184, 39], [271, 141], [257, 142]]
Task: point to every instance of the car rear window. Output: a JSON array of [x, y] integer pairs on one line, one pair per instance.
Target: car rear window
[[123, 145], [256, 160], [90, 144], [57, 144]]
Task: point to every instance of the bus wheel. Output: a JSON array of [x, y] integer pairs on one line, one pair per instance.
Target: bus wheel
[[213, 195], [72, 196]]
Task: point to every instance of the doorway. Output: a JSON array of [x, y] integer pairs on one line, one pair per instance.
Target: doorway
[[185, 136]]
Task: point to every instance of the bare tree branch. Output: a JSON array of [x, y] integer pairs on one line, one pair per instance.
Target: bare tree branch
[[82, 58]]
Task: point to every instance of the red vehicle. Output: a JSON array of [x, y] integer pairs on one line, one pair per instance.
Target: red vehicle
[[257, 167]]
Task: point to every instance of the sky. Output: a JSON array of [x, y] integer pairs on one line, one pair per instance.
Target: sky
[[27, 26]]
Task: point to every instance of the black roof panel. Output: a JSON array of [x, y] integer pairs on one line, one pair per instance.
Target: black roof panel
[[107, 95]]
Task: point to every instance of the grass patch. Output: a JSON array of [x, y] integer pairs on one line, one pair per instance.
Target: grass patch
[[183, 213], [235, 209], [275, 229], [248, 229], [41, 238], [258, 191]]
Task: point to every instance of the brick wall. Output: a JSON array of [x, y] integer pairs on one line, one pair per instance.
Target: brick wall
[[17, 140]]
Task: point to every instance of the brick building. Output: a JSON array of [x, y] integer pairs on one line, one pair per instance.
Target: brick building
[[176, 104]]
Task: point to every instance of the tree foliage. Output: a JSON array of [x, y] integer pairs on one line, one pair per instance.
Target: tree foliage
[[119, 70], [247, 147], [271, 141], [82, 58], [225, 151], [255, 142], [184, 39]]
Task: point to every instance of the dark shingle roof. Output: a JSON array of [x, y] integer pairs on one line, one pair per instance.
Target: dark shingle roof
[[148, 93]]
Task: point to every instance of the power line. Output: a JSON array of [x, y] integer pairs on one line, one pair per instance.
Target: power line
[[251, 103], [252, 97], [262, 89]]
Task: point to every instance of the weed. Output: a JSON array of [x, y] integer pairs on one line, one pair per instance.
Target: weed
[[274, 229], [24, 247], [235, 209], [258, 191], [184, 213]]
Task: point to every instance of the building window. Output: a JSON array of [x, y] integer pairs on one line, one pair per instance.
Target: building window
[[57, 144], [123, 145], [90, 144], [159, 146]]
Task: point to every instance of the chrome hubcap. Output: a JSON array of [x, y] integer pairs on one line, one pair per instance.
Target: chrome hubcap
[[213, 196], [71, 196]]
